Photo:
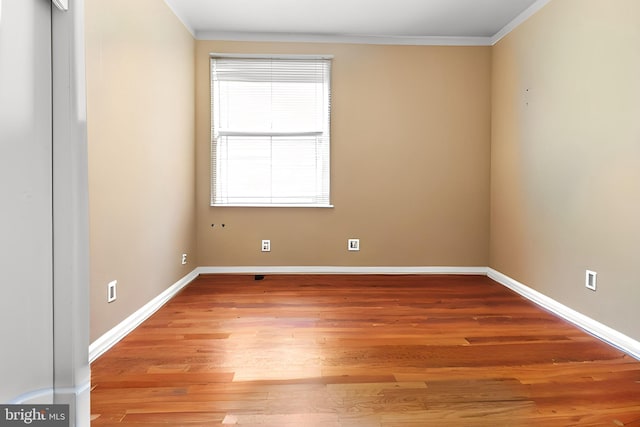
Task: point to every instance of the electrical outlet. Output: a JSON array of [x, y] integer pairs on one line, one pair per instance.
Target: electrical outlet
[[266, 246], [184, 259], [111, 291], [353, 244], [590, 280]]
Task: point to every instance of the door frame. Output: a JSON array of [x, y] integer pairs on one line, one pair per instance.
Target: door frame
[[72, 374]]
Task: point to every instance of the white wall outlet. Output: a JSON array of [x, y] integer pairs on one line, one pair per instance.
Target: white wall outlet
[[266, 246], [353, 244], [111, 291], [590, 280], [184, 259]]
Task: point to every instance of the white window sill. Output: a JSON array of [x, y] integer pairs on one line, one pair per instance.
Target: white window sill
[[281, 205]]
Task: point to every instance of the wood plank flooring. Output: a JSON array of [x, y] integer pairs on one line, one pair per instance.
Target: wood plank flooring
[[361, 350]]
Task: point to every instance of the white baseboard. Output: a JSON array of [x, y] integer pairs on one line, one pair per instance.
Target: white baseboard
[[593, 327], [79, 400], [597, 329], [122, 329], [36, 397], [340, 270]]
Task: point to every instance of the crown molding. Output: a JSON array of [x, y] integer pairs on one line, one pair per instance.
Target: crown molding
[[342, 38], [526, 14], [189, 28], [359, 38]]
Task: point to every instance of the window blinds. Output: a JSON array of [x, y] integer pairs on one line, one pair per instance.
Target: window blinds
[[270, 131]]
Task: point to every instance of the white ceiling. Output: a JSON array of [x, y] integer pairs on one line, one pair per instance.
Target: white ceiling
[[472, 22]]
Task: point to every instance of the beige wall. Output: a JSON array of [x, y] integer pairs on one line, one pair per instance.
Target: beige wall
[[140, 80], [565, 149], [410, 164]]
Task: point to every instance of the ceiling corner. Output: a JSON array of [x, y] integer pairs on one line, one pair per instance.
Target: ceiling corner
[[181, 18], [526, 14]]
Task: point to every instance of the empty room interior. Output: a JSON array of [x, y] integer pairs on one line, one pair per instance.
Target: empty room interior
[[474, 260], [514, 159]]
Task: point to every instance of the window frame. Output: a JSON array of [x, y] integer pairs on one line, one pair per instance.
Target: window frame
[[213, 141]]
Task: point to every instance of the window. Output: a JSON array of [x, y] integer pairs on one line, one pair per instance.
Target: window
[[270, 131]]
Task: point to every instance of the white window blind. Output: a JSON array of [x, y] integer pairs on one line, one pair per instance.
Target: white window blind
[[270, 131]]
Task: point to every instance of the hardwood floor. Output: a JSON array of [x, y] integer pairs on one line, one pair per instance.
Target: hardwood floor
[[375, 350]]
